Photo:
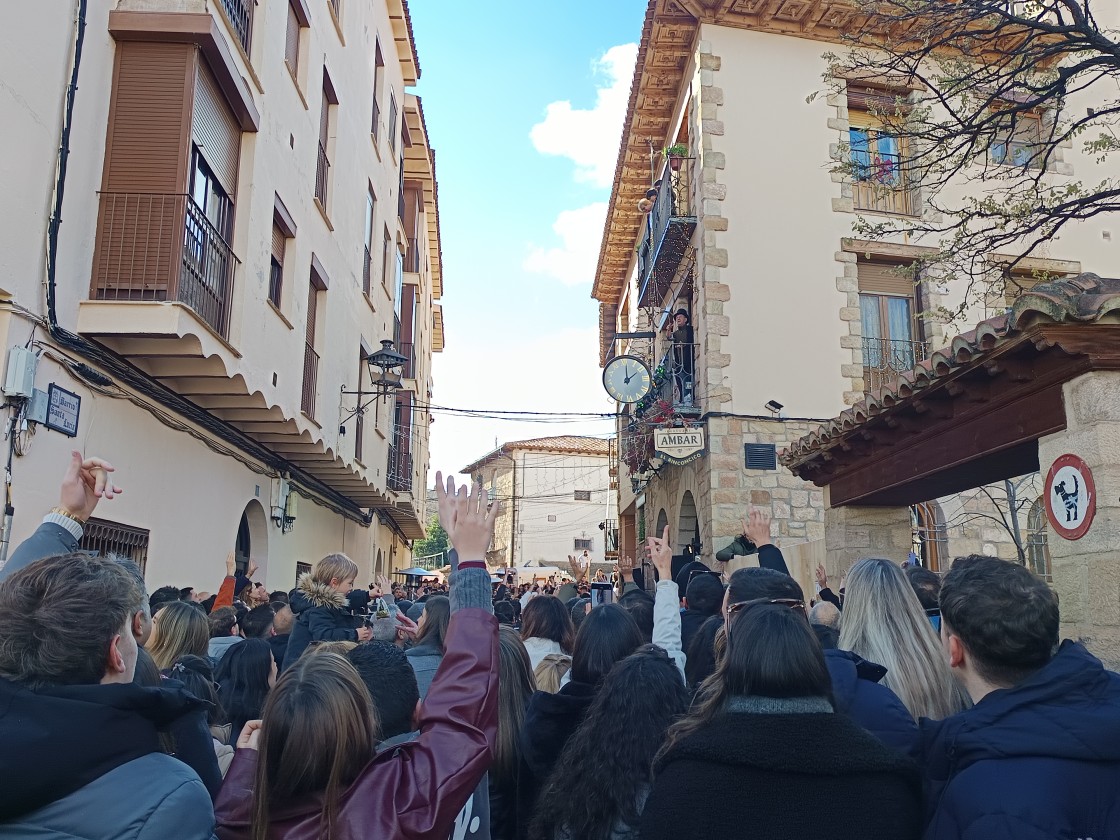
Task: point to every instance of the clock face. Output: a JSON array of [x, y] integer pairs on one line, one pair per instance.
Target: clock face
[[626, 379]]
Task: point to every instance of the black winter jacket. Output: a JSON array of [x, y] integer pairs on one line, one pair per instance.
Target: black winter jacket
[[774, 775], [321, 615], [857, 693]]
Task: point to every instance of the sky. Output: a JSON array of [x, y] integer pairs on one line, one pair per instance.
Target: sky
[[524, 104]]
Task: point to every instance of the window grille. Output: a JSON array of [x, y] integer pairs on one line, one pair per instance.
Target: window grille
[[105, 538]]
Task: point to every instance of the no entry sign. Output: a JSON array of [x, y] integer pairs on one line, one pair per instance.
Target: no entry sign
[[1071, 497]]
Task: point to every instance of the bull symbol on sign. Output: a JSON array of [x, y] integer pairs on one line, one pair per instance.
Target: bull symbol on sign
[[1070, 500]]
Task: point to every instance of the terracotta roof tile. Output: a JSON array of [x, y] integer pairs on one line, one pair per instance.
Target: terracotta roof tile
[[566, 444]]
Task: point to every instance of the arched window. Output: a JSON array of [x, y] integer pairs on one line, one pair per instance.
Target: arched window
[[1038, 552], [931, 540]]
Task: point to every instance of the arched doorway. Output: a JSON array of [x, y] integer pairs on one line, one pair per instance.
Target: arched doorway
[[688, 532], [662, 521], [378, 569], [931, 538], [252, 538]]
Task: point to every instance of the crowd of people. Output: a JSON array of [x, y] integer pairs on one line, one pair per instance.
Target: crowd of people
[[687, 702]]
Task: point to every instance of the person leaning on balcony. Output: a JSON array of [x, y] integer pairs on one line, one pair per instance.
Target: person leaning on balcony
[[682, 356]]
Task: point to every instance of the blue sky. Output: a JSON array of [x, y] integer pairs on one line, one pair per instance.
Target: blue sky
[[524, 104]]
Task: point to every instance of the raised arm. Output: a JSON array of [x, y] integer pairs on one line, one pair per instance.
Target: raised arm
[[757, 529], [667, 601]]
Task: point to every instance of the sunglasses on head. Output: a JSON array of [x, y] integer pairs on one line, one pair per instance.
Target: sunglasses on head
[[739, 606]]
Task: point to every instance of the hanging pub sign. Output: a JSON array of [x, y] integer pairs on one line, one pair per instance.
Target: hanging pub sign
[[1071, 497], [679, 446]]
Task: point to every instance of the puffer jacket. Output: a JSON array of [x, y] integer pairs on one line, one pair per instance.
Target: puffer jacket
[[1034, 762], [321, 615], [83, 761], [858, 694], [415, 790]]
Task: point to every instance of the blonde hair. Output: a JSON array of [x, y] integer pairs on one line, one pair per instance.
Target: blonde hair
[[179, 629], [318, 647], [334, 567], [551, 671], [884, 623]]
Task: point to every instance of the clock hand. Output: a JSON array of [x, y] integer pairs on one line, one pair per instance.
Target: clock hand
[[629, 376]]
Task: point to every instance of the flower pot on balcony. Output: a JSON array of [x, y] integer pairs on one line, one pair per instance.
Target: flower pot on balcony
[[675, 162]]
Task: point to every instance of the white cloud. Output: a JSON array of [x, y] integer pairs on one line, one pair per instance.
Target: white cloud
[[573, 262], [590, 137], [555, 372]]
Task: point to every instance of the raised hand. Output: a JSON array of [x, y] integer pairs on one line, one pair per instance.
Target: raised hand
[[577, 572], [822, 576], [86, 482], [252, 570], [661, 554], [464, 515], [625, 567], [231, 564], [250, 736], [757, 528]]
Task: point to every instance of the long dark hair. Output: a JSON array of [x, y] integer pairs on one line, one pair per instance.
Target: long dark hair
[[607, 763], [147, 673], [243, 677], [436, 617], [197, 675], [771, 652], [702, 654], [515, 686], [546, 617], [319, 731], [608, 635]]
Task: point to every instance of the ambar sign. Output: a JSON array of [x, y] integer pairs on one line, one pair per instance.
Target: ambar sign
[[679, 446]]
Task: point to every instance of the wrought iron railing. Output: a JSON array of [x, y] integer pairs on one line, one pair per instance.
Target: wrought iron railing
[[882, 183], [367, 271], [412, 258], [672, 202], [162, 247], [322, 171], [402, 450], [885, 358], [310, 380], [408, 350], [240, 14], [676, 375]]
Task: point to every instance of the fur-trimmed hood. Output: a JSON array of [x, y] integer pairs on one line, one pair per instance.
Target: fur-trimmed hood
[[311, 593]]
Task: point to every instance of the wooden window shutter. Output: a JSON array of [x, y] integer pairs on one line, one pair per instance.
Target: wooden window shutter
[[215, 130], [291, 41], [278, 244], [878, 100], [884, 279], [312, 312], [145, 152]]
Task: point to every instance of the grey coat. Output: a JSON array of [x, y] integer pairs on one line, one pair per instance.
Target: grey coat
[[424, 660], [150, 798]]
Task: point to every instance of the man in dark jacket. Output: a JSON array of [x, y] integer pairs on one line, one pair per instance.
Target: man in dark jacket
[[1038, 755], [856, 690], [81, 753], [703, 598]]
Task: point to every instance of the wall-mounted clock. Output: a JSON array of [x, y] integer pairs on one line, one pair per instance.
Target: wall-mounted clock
[[627, 378]]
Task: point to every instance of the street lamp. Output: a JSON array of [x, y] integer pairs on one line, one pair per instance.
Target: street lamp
[[384, 377]]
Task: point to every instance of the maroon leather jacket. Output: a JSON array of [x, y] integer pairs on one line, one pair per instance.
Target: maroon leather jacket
[[414, 790]]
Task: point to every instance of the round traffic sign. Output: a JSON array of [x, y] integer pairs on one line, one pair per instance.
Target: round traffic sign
[[1071, 497]]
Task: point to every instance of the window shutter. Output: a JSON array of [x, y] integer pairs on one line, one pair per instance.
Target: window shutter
[[291, 43], [215, 131], [880, 101], [762, 456], [312, 313], [145, 153], [278, 243], [884, 279]]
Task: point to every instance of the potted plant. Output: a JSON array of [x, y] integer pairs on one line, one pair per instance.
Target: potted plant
[[676, 154]]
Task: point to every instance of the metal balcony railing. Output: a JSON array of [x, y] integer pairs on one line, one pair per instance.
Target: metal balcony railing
[[678, 387], [367, 271], [310, 380], [885, 358], [668, 229], [882, 183], [240, 14], [403, 445], [162, 247], [412, 258], [408, 349], [322, 171]]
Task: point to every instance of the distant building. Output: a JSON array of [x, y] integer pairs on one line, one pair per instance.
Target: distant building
[[557, 500]]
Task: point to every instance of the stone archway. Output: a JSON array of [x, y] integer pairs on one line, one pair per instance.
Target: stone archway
[[687, 524], [662, 521], [252, 538]]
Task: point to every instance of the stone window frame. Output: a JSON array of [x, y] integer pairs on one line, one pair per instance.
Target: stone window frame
[[847, 283]]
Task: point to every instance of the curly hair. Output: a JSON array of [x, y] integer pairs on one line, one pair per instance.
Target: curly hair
[[605, 769]]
